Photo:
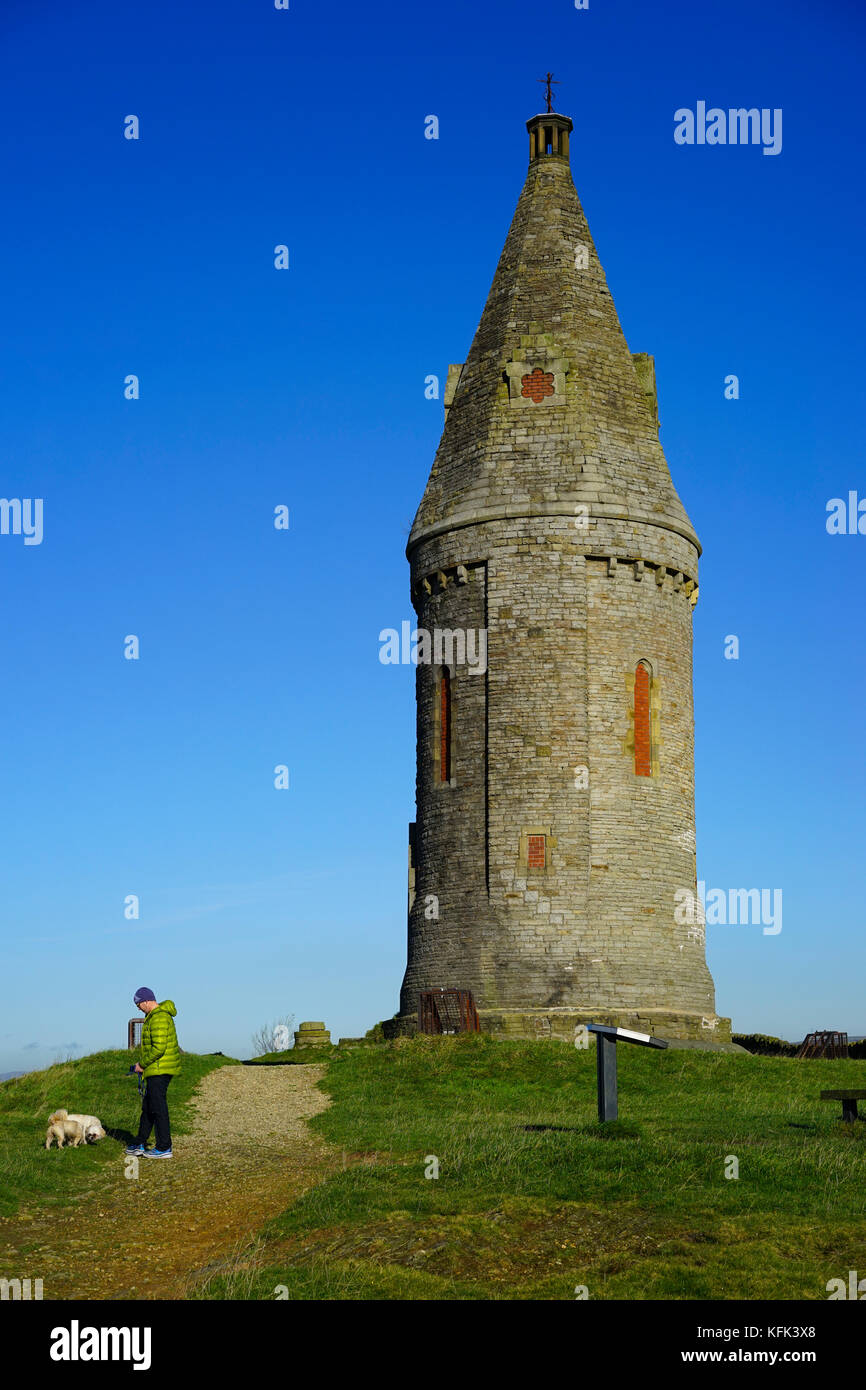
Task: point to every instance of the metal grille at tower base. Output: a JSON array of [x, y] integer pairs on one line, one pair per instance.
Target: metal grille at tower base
[[447, 1011], [832, 1044]]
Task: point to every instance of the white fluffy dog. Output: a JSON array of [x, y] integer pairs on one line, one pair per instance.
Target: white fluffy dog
[[91, 1125]]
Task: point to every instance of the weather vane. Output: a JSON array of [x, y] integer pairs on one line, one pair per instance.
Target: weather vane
[[550, 83]]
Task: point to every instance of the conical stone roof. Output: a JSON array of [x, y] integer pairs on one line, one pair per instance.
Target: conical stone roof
[[550, 327]]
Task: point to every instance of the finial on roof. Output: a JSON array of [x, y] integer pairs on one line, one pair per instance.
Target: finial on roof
[[550, 83]]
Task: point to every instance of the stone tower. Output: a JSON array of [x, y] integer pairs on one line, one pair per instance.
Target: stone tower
[[554, 843]]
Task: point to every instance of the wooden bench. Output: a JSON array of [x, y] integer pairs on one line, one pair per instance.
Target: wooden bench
[[849, 1101]]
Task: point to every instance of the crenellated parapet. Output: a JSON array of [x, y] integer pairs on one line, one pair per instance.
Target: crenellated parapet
[[669, 580]]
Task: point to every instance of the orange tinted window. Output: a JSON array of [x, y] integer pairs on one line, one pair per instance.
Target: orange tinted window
[[642, 722]]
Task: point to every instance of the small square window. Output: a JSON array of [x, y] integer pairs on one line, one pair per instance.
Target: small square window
[[537, 852]]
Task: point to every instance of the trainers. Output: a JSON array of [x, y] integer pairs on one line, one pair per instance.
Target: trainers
[[157, 1153], [134, 1149]]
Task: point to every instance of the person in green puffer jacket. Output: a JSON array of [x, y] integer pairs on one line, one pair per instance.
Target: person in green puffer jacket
[[158, 1062]]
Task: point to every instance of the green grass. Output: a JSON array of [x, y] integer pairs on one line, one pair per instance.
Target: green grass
[[94, 1085], [636, 1209]]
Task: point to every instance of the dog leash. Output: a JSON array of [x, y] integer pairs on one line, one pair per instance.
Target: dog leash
[[139, 1076], [141, 1086]]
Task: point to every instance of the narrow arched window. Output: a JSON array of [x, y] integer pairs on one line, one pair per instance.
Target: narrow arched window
[[643, 761], [445, 726]]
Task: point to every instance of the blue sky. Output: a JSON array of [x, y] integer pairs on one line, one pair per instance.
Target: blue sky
[[306, 388]]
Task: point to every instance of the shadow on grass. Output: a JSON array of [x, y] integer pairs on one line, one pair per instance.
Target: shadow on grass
[[123, 1136], [611, 1129]]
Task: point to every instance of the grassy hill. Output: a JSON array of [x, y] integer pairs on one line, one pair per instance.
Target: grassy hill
[[534, 1198]]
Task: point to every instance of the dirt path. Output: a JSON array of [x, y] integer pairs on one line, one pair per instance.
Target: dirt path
[[250, 1155]]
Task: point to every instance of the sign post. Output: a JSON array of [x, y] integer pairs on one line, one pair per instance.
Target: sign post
[[606, 1039]]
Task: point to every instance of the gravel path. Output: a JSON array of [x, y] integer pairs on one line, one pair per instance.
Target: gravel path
[[250, 1155]]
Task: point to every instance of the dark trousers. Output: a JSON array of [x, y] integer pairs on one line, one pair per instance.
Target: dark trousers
[[154, 1111]]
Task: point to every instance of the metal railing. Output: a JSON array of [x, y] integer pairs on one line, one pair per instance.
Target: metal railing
[[824, 1045]]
